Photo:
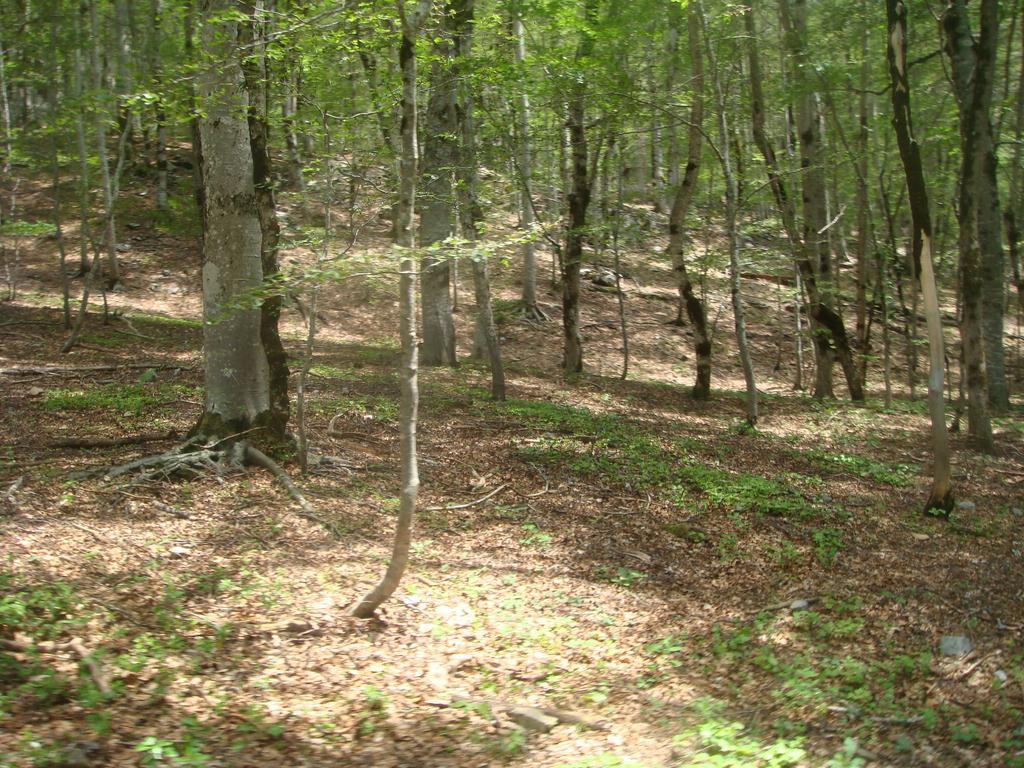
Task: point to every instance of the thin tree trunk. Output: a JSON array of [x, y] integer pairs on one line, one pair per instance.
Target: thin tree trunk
[[156, 65], [113, 270], [941, 497], [578, 201], [863, 206], [407, 312], [525, 162], [684, 192], [731, 222], [471, 214]]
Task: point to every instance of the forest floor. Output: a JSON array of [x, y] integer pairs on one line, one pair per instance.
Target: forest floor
[[681, 590]]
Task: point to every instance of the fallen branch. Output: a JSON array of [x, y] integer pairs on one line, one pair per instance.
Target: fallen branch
[[468, 504], [113, 442]]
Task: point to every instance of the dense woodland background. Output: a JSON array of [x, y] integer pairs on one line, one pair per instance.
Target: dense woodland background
[[664, 356]]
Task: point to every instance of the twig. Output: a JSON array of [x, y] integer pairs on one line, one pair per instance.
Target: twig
[[468, 504]]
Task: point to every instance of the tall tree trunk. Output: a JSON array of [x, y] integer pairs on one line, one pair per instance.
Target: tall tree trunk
[[156, 64], [578, 200], [78, 79], [731, 222], [470, 212], [407, 312], [254, 69], [688, 299], [830, 339], [1014, 211], [990, 240], [242, 368], [525, 162], [437, 213], [863, 204], [941, 497], [113, 270], [962, 56]]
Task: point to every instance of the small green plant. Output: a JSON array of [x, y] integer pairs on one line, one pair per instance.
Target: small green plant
[[786, 555], [623, 577], [728, 546], [155, 752], [534, 537], [375, 705], [828, 543]]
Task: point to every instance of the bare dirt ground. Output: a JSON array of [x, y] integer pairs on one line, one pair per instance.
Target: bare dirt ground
[[674, 590]]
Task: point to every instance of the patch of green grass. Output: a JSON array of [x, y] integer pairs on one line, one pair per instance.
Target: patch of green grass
[[381, 407], [607, 446], [134, 399], [897, 475]]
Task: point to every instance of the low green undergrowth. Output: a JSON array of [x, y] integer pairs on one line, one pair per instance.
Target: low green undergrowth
[[133, 399], [607, 446]]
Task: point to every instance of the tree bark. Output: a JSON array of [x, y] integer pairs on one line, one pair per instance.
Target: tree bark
[[578, 200], [688, 299], [437, 212], [470, 213], [962, 56], [941, 497], [242, 367]]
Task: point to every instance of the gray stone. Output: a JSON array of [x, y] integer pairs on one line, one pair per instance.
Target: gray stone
[[799, 605], [532, 719], [966, 506], [123, 247], [606, 279], [955, 645], [1017, 512]]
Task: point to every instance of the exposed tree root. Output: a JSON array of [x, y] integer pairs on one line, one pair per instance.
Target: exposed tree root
[[532, 312], [194, 459], [255, 456]]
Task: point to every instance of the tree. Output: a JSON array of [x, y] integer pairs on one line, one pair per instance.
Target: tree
[[437, 211], [578, 196], [972, 79], [688, 299], [245, 369], [830, 339], [941, 497], [410, 24]]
